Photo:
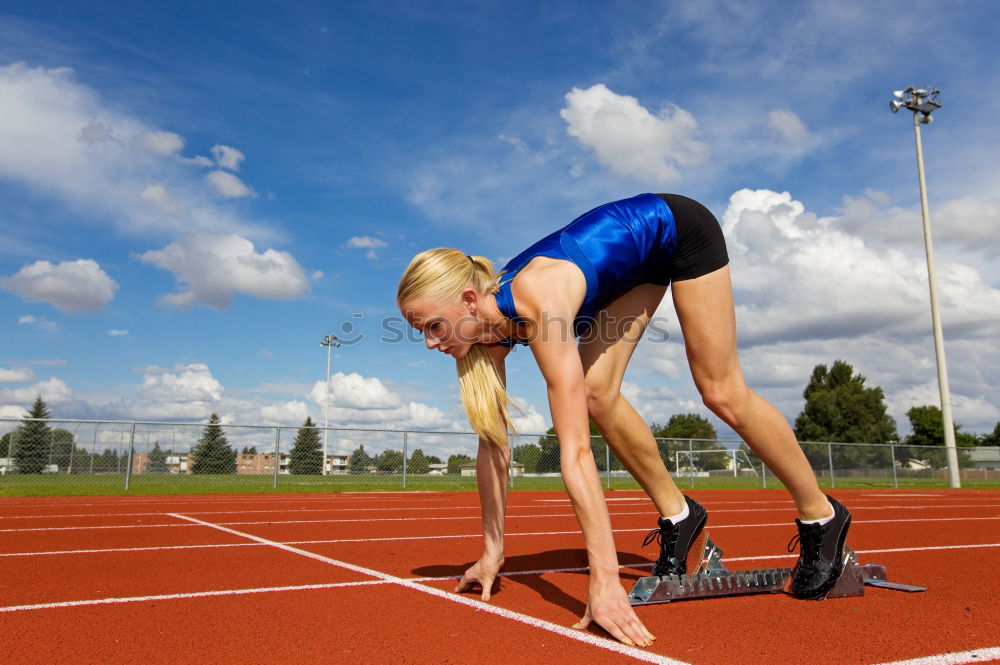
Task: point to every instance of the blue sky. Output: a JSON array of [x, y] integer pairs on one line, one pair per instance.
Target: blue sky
[[192, 196]]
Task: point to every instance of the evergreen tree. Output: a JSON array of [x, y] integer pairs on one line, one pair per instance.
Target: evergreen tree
[[5, 444], [360, 461], [433, 459], [32, 440], [417, 463], [390, 461], [306, 456], [156, 462], [249, 450], [455, 463], [213, 454]]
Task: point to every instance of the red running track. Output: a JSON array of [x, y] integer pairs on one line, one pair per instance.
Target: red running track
[[351, 578]]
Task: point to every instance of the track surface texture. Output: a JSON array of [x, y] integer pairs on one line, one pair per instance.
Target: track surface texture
[[367, 578]]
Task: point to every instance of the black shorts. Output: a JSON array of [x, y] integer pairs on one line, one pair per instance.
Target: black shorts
[[701, 247]]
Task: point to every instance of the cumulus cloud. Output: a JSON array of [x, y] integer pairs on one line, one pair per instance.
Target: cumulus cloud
[[228, 185], [53, 391], [628, 139], [16, 375], [71, 286], [227, 157], [158, 196], [211, 269], [12, 411], [359, 401], [115, 332], [62, 140], [366, 242]]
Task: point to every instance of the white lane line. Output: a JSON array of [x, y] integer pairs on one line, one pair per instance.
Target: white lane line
[[710, 506], [338, 521], [976, 656], [176, 596], [580, 636]]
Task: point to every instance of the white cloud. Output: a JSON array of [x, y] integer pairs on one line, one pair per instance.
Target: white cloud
[[185, 383], [12, 411], [358, 401], [787, 125], [71, 286], [228, 185], [53, 391], [211, 269], [115, 332], [366, 242], [16, 375], [227, 157], [62, 140], [158, 196], [161, 143], [629, 140]]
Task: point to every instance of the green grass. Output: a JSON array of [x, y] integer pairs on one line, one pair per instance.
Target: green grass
[[114, 484]]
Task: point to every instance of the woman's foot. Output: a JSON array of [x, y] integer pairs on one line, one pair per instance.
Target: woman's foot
[[676, 539], [821, 553]]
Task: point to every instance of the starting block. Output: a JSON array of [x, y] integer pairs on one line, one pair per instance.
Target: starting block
[[711, 579]]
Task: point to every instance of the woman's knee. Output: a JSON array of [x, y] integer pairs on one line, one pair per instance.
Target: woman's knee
[[730, 401], [600, 401]]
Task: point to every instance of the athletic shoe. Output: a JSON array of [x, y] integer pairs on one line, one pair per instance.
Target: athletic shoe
[[676, 539], [821, 554]]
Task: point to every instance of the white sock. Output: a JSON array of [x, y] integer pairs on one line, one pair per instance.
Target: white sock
[[679, 517], [824, 520]]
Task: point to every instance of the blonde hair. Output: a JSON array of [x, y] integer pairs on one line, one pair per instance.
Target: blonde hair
[[440, 275]]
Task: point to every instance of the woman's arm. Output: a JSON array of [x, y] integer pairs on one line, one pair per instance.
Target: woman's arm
[[492, 464], [550, 325]]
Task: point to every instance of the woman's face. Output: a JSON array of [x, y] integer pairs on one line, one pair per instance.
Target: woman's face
[[448, 327]]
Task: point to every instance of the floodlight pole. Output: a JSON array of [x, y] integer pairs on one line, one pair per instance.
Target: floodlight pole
[[923, 102], [329, 341]]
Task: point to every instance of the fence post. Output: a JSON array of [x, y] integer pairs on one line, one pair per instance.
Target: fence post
[[607, 461], [895, 480], [763, 474], [735, 474], [128, 465], [829, 453], [510, 464], [404, 457], [691, 461], [277, 451]]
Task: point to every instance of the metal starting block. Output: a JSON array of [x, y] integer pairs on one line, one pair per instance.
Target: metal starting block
[[711, 579]]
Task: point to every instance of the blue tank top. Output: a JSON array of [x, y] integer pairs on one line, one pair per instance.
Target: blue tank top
[[617, 246]]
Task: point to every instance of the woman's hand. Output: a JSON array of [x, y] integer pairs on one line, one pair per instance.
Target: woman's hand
[[484, 573], [608, 605]]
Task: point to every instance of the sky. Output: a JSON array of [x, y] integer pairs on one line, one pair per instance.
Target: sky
[[192, 195]]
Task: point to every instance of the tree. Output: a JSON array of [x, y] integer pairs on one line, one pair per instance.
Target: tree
[[927, 429], [418, 464], [213, 454], [991, 439], [841, 409], [679, 434], [156, 462], [306, 456], [249, 450], [5, 441], [433, 459], [360, 461], [390, 461], [527, 454], [32, 440], [455, 463]]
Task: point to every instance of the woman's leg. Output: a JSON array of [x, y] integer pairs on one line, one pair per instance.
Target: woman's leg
[[704, 307], [605, 353]]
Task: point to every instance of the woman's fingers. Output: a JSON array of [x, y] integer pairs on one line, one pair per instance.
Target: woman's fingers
[[468, 581]]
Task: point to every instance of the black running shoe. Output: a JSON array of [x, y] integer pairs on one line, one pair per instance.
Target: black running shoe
[[676, 539], [821, 554]]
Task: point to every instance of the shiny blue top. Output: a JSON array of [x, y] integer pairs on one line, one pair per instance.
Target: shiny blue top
[[617, 246]]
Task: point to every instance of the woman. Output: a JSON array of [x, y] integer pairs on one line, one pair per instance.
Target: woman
[[600, 278]]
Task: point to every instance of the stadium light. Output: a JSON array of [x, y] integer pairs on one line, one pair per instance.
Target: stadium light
[[329, 342], [923, 102]]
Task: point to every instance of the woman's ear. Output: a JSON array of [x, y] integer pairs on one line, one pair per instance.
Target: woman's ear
[[470, 299]]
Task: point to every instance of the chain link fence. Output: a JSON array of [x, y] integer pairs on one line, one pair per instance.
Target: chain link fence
[[95, 457]]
